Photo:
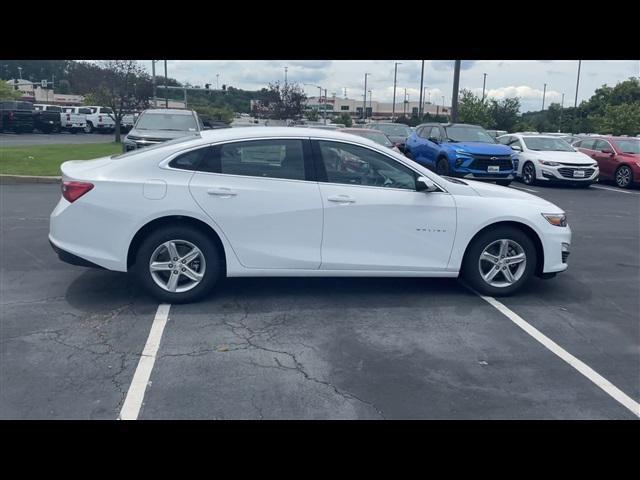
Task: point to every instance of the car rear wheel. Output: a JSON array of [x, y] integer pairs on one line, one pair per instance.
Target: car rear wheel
[[499, 261], [528, 174], [88, 128], [178, 264], [624, 177], [442, 167]]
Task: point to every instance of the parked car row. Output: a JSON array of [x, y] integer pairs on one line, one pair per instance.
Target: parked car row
[[25, 117]]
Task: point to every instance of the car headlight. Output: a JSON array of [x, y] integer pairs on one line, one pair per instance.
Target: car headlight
[[556, 219], [548, 163]]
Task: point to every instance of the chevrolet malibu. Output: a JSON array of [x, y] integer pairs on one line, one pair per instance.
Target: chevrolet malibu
[[268, 201]]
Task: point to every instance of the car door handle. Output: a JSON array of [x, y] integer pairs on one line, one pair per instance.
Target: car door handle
[[341, 199], [221, 192]]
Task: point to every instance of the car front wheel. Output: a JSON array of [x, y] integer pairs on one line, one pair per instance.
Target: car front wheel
[[499, 261], [178, 264], [528, 174]]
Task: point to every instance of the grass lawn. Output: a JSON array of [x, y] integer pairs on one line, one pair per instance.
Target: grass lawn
[[46, 159]]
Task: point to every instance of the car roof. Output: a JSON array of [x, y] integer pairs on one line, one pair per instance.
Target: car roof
[[360, 130], [169, 110]]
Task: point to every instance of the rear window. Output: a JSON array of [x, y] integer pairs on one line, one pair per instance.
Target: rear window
[[53, 109], [85, 111], [106, 110]]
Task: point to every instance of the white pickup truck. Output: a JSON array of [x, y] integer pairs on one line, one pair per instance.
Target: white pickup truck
[[100, 118], [74, 119], [128, 121]]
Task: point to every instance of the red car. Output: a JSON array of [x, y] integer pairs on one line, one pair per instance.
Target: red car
[[617, 157]]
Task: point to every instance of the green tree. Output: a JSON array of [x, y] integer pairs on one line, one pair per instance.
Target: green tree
[[345, 119], [312, 115], [472, 109], [504, 113], [7, 92], [116, 89], [621, 119], [209, 112]]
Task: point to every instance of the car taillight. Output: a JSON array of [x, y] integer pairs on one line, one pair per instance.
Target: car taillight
[[100, 118], [68, 117], [74, 190], [11, 115]]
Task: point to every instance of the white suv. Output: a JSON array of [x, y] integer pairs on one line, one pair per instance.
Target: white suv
[[101, 119], [548, 158]]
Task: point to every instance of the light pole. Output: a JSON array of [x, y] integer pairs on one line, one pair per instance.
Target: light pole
[[544, 93], [421, 90], [153, 80], [217, 81], [364, 104], [285, 76], [456, 87], [484, 83], [561, 109], [395, 76], [424, 106], [319, 97], [404, 104], [166, 93], [575, 103], [20, 70], [443, 105], [370, 102]]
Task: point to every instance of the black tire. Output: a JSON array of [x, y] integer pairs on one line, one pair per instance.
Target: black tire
[[504, 183], [528, 174], [212, 257], [470, 269], [88, 128], [442, 167], [623, 177]]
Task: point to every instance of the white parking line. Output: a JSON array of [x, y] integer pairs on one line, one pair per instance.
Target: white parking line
[[602, 187], [522, 188], [582, 367], [135, 394]]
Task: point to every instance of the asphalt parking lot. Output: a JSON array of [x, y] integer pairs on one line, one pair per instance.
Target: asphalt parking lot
[[71, 338], [15, 140]]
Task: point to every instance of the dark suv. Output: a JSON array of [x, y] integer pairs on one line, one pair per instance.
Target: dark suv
[[16, 116]]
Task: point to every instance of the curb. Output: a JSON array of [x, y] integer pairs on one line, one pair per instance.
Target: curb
[[9, 179]]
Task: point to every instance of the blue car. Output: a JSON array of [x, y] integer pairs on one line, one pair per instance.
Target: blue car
[[461, 150]]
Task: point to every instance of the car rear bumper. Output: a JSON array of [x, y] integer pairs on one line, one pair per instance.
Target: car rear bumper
[[72, 259]]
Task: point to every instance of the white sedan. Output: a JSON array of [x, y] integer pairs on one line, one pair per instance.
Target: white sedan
[[296, 202], [550, 159]]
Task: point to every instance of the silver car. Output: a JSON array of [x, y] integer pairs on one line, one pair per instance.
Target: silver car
[[159, 125]]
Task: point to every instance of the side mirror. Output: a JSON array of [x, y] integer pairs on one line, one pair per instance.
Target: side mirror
[[517, 148], [434, 139], [423, 184], [607, 150]]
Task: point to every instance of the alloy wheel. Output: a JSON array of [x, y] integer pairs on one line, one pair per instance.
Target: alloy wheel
[[502, 263], [528, 173], [177, 266], [623, 176]]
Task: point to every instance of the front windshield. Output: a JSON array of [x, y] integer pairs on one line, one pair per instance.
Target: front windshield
[[377, 137], [629, 146], [166, 121], [547, 144], [466, 133], [394, 129]]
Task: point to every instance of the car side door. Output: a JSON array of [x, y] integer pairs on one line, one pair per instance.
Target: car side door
[[374, 217], [605, 155], [263, 195], [430, 146]]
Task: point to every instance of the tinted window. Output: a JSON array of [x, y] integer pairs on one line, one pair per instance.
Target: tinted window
[[601, 145], [354, 165], [547, 144], [468, 133], [106, 110], [629, 146], [259, 158], [504, 140], [189, 160], [588, 144], [54, 109]]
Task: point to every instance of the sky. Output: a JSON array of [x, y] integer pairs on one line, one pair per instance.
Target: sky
[[522, 78]]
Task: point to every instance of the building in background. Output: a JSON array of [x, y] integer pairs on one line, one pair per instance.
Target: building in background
[[34, 92], [375, 110]]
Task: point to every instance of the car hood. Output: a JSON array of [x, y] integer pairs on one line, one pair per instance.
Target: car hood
[[159, 134], [491, 190], [562, 157], [479, 148]]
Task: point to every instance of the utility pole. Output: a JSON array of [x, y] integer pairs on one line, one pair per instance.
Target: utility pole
[[484, 83], [370, 102], [324, 111], [424, 104], [420, 108], [364, 104], [153, 80], [285, 76], [20, 70], [561, 109], [575, 103], [454, 96], [404, 104], [217, 81], [166, 93], [395, 76], [544, 94]]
